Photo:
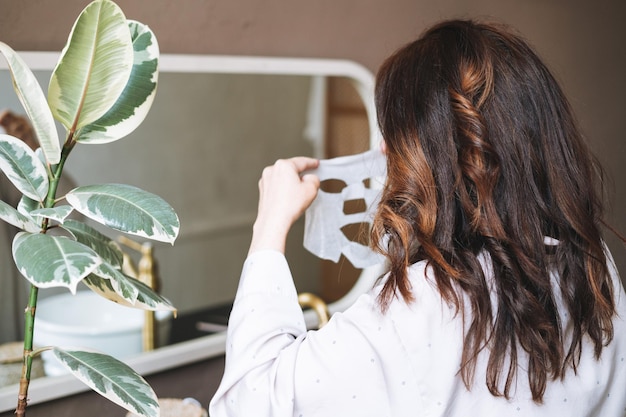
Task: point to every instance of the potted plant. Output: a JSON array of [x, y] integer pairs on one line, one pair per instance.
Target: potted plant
[[100, 91]]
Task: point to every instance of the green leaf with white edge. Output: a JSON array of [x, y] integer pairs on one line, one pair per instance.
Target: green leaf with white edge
[[113, 285], [34, 102], [107, 248], [128, 209], [133, 105], [22, 167], [58, 213], [17, 219], [112, 379], [53, 261], [28, 205], [94, 66]]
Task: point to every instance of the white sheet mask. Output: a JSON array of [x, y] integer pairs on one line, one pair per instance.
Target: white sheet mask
[[325, 218]]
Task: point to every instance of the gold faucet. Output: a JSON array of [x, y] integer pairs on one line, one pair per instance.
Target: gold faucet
[[146, 273], [318, 305]]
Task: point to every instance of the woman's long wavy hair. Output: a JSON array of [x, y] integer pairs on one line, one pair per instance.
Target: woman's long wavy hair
[[485, 159]]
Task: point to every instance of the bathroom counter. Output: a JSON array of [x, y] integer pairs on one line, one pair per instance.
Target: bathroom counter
[[196, 342], [199, 323], [188, 344], [198, 380]]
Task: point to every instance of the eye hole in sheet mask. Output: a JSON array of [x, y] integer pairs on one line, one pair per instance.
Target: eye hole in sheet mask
[[355, 206], [338, 222], [332, 185]]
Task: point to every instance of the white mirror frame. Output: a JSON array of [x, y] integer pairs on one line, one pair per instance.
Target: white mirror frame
[[210, 346]]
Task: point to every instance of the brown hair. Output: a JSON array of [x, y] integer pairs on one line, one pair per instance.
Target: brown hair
[[485, 159]]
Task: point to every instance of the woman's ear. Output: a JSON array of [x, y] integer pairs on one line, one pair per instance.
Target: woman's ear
[[383, 147]]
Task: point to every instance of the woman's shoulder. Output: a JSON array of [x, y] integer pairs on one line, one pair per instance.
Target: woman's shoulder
[[419, 274], [426, 300]]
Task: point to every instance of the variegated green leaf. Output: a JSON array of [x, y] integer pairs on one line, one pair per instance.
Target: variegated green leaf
[[128, 209], [112, 379], [53, 261], [22, 167], [58, 214], [28, 205], [133, 105], [107, 248], [112, 284], [34, 102], [17, 219], [94, 66]]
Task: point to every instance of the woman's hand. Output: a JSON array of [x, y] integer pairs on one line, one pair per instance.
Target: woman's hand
[[284, 195]]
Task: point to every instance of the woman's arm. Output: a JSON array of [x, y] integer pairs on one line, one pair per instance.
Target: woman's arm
[[284, 194], [266, 317]]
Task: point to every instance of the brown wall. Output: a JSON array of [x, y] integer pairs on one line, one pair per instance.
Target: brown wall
[[583, 41]]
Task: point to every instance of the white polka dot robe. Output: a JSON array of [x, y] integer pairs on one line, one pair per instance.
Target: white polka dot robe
[[401, 363]]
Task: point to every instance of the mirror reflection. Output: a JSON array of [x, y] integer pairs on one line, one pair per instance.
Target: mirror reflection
[[202, 148]]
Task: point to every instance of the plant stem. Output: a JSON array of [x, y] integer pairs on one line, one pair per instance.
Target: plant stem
[[29, 314], [54, 181], [29, 327]]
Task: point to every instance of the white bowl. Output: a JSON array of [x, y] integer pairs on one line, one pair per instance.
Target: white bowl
[[90, 321]]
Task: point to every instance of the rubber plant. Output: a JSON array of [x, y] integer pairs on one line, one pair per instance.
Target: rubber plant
[[100, 90]]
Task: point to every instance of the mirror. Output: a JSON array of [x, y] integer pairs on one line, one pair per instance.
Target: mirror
[[202, 148], [216, 122]]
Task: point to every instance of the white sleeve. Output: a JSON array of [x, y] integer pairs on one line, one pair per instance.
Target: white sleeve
[[265, 321], [275, 368]]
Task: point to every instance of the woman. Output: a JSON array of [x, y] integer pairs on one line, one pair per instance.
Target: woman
[[500, 300]]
